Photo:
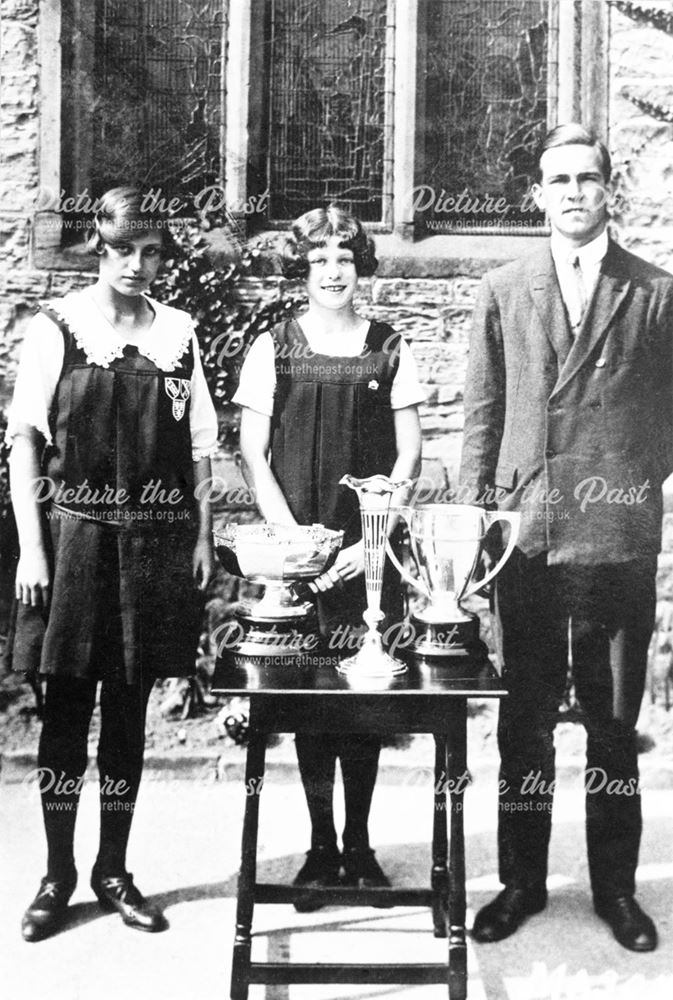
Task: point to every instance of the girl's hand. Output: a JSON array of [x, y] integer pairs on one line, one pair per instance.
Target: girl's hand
[[32, 577], [349, 564], [203, 562]]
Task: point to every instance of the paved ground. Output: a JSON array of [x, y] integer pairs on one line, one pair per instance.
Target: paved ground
[[185, 854]]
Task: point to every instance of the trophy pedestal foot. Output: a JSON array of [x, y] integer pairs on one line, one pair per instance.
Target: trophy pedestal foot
[[371, 665], [441, 639], [285, 639]]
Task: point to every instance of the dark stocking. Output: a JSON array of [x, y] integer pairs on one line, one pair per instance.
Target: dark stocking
[[120, 764], [317, 764], [359, 756], [62, 759]]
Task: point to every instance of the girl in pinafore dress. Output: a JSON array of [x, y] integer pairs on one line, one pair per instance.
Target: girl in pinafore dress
[[112, 428], [330, 393]]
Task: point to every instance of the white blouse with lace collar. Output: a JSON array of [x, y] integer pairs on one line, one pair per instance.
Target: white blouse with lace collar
[[164, 343]]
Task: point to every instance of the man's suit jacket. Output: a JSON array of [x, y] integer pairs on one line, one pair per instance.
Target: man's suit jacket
[[577, 434]]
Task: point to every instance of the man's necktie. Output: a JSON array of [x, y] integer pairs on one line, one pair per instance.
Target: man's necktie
[[577, 308]]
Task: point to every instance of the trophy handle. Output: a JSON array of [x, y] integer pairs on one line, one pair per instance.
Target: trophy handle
[[406, 513], [514, 520]]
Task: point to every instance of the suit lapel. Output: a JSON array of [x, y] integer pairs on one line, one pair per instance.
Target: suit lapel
[[546, 294], [611, 288]]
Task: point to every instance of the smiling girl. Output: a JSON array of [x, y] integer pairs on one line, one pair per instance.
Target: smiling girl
[[330, 393], [111, 409]]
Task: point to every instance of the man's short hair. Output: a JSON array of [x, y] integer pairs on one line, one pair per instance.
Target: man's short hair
[[576, 135]]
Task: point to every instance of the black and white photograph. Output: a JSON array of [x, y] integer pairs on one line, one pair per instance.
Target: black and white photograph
[[336, 499]]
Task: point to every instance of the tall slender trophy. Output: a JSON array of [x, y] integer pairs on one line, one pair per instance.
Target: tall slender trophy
[[446, 543], [371, 660]]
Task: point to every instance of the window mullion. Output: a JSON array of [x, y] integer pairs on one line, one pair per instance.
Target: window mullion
[[237, 107], [594, 74], [47, 229], [404, 143]]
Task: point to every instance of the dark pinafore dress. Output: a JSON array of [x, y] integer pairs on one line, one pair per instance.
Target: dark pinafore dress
[[332, 416], [122, 522]]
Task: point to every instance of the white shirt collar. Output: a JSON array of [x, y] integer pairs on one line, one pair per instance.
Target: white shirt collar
[[590, 255]]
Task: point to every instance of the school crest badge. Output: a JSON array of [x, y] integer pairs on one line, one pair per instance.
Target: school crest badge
[[179, 390]]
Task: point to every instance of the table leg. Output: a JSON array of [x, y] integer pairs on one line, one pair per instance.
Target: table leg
[[457, 777], [254, 779], [439, 875]]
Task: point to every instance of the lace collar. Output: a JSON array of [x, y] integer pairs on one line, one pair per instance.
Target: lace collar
[[164, 343]]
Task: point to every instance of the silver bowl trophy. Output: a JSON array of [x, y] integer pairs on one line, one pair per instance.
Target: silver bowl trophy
[[446, 544], [284, 559]]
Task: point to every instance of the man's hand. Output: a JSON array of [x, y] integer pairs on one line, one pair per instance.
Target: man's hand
[[491, 551], [32, 577]]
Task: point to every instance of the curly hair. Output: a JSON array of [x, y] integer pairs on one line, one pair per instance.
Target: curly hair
[[122, 214], [313, 229]]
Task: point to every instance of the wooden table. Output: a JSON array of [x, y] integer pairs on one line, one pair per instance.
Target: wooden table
[[316, 699]]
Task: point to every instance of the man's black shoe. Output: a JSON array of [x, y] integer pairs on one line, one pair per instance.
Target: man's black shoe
[[117, 892], [632, 928], [320, 869], [505, 914], [47, 912], [363, 870]]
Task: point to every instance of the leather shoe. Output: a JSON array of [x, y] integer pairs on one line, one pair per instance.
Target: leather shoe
[[47, 912], [117, 892], [320, 870], [632, 928], [505, 914]]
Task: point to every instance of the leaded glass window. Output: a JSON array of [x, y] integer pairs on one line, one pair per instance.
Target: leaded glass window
[[326, 106], [485, 112], [143, 94]]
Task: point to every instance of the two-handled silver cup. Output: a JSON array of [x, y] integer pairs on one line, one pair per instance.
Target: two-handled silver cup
[[446, 543]]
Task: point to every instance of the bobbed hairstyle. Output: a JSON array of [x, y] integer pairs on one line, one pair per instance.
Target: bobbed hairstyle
[[122, 215], [574, 134], [313, 229]]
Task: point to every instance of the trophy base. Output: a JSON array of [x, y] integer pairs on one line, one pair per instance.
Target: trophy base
[[285, 639], [280, 601], [433, 640]]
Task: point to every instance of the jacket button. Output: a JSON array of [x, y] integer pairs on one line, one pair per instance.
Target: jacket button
[[600, 363], [595, 404], [549, 453]]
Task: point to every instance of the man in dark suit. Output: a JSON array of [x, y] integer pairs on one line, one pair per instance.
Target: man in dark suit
[[569, 420]]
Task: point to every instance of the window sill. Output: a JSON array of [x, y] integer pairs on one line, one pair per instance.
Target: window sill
[[75, 258], [450, 254], [441, 256]]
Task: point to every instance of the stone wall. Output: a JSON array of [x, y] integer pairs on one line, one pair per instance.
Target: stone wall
[[18, 167], [22, 287], [641, 61]]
